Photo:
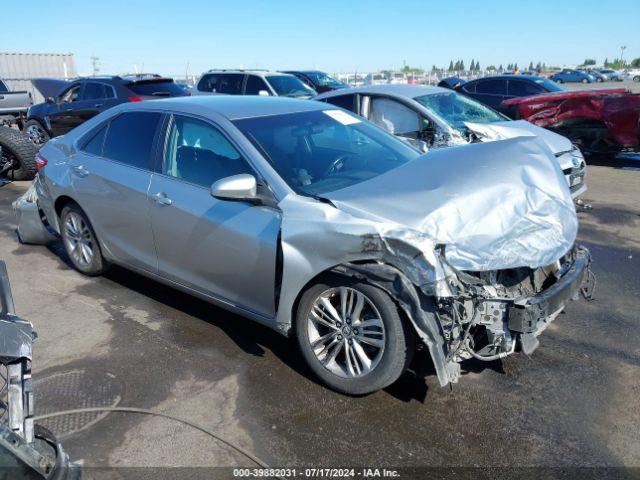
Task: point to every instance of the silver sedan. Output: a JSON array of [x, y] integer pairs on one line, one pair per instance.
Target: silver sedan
[[310, 220]]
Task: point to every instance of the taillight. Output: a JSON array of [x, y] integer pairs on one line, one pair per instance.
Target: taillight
[[135, 99], [40, 161]]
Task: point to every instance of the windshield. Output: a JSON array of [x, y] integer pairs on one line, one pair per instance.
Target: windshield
[[323, 151], [548, 85], [289, 86], [323, 80], [456, 109]]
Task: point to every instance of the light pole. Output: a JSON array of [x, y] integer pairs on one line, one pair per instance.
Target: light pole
[[622, 49]]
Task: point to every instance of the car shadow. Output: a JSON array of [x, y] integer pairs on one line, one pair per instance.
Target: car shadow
[[258, 339]]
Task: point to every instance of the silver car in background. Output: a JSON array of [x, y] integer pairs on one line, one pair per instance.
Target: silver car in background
[[433, 117], [322, 226]]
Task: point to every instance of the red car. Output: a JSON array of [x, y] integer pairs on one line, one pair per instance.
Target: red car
[[600, 121]]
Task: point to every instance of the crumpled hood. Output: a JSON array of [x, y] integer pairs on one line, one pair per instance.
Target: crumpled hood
[[493, 205], [521, 128]]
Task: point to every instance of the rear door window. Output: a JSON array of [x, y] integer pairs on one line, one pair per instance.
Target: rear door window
[[254, 85], [229, 84], [130, 138], [347, 102], [97, 91], [494, 87]]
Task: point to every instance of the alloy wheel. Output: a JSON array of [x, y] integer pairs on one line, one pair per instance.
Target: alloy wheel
[[78, 239], [36, 134], [346, 332]]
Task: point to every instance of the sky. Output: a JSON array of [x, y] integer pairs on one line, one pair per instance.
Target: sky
[[174, 37]]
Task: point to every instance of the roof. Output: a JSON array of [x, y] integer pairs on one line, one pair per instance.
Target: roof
[[507, 76], [264, 73], [394, 89], [233, 107]]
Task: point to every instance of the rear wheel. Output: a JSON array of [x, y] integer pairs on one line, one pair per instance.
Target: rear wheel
[[352, 336], [559, 80], [18, 156], [584, 80], [636, 78], [80, 241]]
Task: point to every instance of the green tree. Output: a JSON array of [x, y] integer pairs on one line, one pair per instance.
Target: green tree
[[477, 66], [588, 61], [492, 68], [515, 67], [500, 69], [538, 67], [606, 63], [531, 66], [434, 69], [461, 66], [472, 67], [451, 65], [635, 63]]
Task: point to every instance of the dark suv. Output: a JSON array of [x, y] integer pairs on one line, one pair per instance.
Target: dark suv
[[491, 91], [70, 103]]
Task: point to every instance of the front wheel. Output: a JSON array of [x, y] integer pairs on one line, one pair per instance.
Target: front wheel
[[352, 336], [636, 78], [36, 133], [80, 241], [559, 80], [584, 80]]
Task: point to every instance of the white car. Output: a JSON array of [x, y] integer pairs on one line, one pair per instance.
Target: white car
[[375, 79], [397, 77], [634, 74], [433, 117]]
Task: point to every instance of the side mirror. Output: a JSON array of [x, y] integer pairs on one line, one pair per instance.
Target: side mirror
[[50, 100], [264, 93], [236, 187]]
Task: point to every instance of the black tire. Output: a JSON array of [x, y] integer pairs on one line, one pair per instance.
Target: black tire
[[20, 152], [584, 80], [36, 133], [97, 265], [599, 80], [559, 80], [399, 342], [636, 78]]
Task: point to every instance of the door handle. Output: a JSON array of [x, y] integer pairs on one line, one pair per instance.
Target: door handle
[[97, 105], [161, 198], [81, 171]]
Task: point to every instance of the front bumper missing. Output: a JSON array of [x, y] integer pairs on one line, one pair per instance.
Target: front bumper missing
[[530, 316]]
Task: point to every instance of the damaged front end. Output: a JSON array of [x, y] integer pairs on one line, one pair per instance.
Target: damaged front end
[[499, 312], [476, 244]]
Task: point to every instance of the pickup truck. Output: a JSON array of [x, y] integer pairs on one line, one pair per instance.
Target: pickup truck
[[13, 106]]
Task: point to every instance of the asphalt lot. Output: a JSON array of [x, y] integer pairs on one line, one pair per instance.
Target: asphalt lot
[[630, 84], [128, 341]]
